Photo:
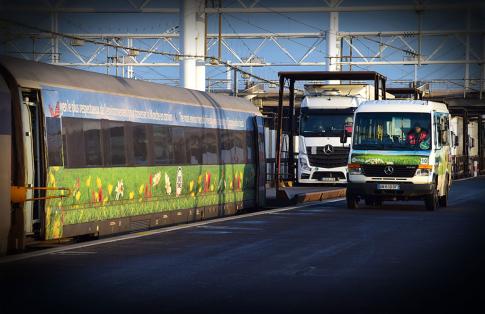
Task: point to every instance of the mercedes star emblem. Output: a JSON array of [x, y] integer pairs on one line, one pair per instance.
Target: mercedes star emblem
[[327, 149], [388, 170]]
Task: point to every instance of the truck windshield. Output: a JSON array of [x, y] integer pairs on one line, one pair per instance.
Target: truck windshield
[[392, 131], [318, 123]]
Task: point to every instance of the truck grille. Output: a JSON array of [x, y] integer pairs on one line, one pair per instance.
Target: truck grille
[[398, 171], [337, 158]]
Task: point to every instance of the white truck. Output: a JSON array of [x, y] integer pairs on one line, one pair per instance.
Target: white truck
[[325, 130]]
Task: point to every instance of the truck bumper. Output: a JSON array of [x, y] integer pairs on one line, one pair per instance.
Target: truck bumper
[[407, 190]]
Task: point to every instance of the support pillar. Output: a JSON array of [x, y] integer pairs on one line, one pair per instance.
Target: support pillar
[[129, 70], [467, 52], [279, 135], [192, 42], [54, 38], [332, 42], [465, 144], [480, 143], [291, 133]]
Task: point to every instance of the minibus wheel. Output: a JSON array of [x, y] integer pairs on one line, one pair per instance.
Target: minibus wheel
[[352, 201], [431, 200]]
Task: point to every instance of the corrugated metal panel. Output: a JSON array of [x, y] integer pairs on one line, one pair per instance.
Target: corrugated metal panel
[[31, 74]]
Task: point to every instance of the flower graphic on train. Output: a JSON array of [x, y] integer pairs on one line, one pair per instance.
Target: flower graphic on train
[[191, 188], [178, 182], [168, 187], [207, 181], [156, 178], [119, 190], [56, 111]]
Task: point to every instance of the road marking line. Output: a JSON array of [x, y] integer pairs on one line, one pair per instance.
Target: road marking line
[[467, 178], [22, 256]]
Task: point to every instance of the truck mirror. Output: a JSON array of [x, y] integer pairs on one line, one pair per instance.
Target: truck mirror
[[343, 137], [455, 142]]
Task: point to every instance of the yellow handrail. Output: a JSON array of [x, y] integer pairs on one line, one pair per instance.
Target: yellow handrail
[[18, 194]]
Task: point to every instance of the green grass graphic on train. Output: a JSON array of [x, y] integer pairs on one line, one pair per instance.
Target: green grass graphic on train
[[108, 193], [381, 159]]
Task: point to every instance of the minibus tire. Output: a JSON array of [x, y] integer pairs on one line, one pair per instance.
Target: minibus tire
[[352, 201], [431, 200]]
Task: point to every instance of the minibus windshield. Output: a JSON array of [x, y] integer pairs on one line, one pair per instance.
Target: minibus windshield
[[392, 131]]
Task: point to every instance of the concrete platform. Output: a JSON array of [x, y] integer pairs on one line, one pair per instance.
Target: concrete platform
[[302, 194]]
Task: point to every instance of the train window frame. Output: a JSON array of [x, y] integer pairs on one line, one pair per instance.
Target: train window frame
[[49, 136], [134, 142], [108, 126], [227, 146], [72, 130], [167, 150]]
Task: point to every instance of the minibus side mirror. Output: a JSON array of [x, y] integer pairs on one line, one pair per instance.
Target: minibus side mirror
[[455, 142], [343, 137]]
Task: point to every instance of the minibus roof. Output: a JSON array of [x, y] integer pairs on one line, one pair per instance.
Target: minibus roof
[[401, 106]]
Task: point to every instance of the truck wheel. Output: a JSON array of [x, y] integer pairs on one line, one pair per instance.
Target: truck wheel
[[352, 201], [443, 200], [431, 200]]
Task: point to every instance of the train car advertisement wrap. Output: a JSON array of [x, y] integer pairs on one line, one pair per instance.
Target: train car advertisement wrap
[[108, 194], [61, 102], [410, 158]]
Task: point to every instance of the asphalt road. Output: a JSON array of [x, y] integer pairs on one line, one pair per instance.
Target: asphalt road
[[321, 258]]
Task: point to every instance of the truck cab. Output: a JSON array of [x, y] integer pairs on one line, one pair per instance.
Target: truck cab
[[400, 151], [325, 131]]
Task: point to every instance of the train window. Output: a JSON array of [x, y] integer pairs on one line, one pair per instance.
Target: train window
[[209, 151], [226, 144], [178, 141], [54, 141], [92, 142], [194, 144], [250, 147], [140, 144], [239, 146], [116, 143], [162, 145], [73, 147]]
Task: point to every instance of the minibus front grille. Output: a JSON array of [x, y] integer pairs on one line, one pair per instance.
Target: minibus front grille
[[337, 158], [397, 171]]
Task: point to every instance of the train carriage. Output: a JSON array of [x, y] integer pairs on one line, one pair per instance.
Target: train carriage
[[118, 155]]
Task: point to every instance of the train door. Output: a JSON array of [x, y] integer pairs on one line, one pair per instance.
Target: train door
[[32, 125], [260, 163], [5, 164]]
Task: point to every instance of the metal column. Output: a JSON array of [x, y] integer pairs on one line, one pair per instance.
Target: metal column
[[466, 143], [291, 135], [192, 42], [480, 141], [279, 135]]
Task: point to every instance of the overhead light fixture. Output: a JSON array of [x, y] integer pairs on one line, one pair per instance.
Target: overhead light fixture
[[77, 42]]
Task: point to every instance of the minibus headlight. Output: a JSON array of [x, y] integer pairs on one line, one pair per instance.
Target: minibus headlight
[[354, 169], [424, 170], [304, 164]]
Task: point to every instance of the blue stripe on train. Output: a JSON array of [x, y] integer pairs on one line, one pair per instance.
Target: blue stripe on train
[[62, 102]]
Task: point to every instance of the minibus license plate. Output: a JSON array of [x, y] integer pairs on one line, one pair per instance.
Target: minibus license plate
[[388, 186], [328, 179]]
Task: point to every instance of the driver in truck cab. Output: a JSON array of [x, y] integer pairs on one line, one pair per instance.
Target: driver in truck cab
[[418, 137]]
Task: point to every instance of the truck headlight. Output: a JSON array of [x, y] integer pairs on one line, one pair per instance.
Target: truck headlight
[[354, 168], [304, 164], [424, 170]]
